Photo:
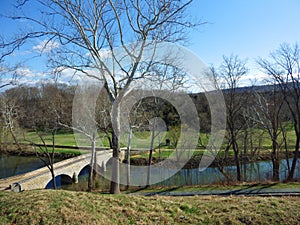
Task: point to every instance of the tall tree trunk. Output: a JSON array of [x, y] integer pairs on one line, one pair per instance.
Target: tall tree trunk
[[15, 139], [128, 157], [276, 164], [237, 161], [114, 184], [295, 159], [275, 161], [53, 178], [245, 142], [51, 158], [92, 164], [287, 158], [150, 156]]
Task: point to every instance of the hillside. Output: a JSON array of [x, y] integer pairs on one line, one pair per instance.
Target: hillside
[[65, 207]]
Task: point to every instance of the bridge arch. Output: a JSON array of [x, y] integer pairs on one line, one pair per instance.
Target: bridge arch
[[86, 169], [61, 179]]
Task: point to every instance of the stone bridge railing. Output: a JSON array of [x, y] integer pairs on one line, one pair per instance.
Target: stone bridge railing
[[38, 179]]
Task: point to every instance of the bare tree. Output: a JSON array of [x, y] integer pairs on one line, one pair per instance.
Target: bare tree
[[89, 128], [231, 72], [84, 29], [52, 101], [45, 153], [8, 76], [284, 68], [10, 113], [270, 116]]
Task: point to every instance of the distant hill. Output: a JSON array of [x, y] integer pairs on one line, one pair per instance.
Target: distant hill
[[255, 88]]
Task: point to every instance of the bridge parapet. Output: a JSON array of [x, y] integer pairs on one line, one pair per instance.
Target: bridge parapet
[[38, 179]]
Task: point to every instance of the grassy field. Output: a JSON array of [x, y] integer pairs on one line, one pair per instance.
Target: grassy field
[[65, 207], [142, 140]]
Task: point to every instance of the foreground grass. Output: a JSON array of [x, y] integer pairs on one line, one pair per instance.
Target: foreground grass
[[65, 207]]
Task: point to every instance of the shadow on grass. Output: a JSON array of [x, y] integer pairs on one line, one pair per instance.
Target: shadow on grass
[[250, 189], [154, 191]]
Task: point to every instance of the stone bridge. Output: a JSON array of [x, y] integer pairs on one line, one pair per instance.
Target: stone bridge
[[40, 178]]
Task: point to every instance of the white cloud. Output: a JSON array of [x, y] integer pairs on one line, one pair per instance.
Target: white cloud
[[68, 75], [253, 78], [25, 72], [46, 46], [30, 77]]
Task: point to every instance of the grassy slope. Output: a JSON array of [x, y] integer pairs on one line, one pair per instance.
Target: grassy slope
[[64, 207]]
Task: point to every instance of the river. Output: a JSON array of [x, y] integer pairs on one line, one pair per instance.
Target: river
[[11, 165], [257, 171]]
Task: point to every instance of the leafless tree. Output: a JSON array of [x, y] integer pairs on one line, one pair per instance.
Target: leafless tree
[[88, 129], [10, 113], [283, 67], [45, 153], [52, 101], [84, 29], [8, 77], [231, 72], [270, 115]]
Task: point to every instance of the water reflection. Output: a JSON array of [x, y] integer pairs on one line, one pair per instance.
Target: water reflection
[[15, 165], [257, 171]]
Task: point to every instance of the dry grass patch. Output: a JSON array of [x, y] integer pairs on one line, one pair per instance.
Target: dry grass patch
[[66, 207]]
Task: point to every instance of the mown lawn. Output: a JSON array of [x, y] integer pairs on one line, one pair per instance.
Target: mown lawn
[[141, 140], [66, 207]]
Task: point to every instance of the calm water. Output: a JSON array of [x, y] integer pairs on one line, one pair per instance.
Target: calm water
[[258, 171], [15, 165]]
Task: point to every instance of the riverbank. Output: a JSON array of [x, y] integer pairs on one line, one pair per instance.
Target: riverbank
[[218, 161], [66, 207], [28, 150], [142, 160]]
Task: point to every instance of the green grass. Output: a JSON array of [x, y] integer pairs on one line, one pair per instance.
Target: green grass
[[158, 154], [60, 138], [142, 139], [65, 207]]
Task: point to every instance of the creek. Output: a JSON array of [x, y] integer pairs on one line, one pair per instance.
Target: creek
[[255, 171]]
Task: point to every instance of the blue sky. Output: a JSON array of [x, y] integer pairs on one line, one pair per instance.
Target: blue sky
[[248, 28]]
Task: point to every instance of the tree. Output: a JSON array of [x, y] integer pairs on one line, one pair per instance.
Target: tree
[[8, 76], [283, 67], [45, 153], [174, 78], [270, 115], [9, 112], [35, 102], [231, 72], [50, 103], [84, 30], [87, 130]]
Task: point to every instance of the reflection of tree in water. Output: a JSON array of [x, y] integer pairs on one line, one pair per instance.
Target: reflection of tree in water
[[14, 165]]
